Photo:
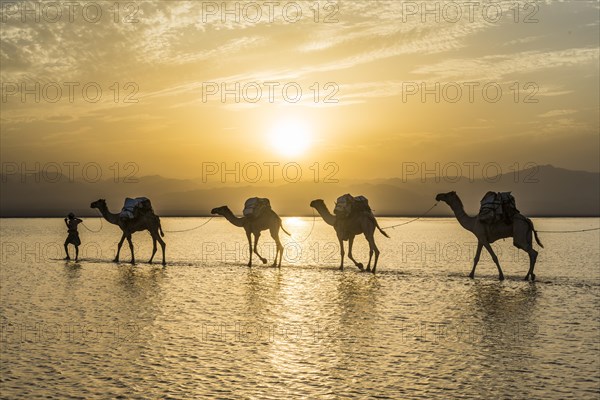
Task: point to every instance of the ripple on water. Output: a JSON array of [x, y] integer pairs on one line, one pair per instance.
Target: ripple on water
[[215, 328]]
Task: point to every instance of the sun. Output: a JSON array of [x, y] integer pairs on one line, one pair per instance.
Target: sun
[[290, 137]]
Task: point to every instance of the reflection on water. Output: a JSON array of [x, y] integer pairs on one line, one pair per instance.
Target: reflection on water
[[207, 326], [356, 307], [494, 304], [72, 272]]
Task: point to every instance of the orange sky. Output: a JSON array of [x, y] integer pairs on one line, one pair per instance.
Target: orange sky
[[372, 58]]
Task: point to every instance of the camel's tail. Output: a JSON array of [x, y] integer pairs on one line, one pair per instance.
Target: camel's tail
[[535, 234], [381, 230], [283, 229]]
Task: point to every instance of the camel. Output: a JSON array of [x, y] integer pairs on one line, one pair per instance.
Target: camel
[[353, 225], [268, 219], [520, 230], [149, 222]]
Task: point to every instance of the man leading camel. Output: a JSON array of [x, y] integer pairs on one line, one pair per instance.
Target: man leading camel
[[73, 235]]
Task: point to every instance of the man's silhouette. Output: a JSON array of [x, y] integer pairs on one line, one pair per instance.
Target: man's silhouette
[[73, 237]]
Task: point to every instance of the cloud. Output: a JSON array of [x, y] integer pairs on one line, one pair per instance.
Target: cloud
[[502, 66], [527, 39], [565, 126], [370, 52], [557, 113]]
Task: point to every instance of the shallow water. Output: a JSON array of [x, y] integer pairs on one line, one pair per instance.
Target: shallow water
[[206, 325]]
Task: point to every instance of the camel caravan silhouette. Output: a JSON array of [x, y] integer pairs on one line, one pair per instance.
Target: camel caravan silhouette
[[137, 215], [487, 230], [498, 218], [258, 217], [352, 217]]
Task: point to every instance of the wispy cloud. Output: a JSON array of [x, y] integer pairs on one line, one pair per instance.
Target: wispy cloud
[[501, 66], [557, 113]]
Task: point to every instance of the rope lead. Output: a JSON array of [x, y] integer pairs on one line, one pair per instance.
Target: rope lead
[[190, 229], [85, 226], [580, 230], [416, 219], [309, 233]]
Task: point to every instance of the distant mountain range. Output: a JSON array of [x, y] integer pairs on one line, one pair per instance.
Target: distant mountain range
[[543, 191]]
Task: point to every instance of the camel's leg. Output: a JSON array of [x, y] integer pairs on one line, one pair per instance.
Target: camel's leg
[[370, 255], [372, 249], [341, 254], [488, 247], [163, 246], [256, 237], [248, 235], [153, 249], [279, 251], [280, 255], [119, 247], [526, 244], [67, 251], [532, 258], [476, 259], [350, 243], [131, 248]]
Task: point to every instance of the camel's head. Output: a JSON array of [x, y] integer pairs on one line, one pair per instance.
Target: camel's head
[[317, 203], [98, 204], [446, 197], [219, 210]]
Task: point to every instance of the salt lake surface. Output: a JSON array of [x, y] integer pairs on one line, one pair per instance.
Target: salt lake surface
[[208, 326]]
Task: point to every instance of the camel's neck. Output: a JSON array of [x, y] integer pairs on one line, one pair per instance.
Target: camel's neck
[[463, 218], [326, 215], [110, 217], [233, 219]]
